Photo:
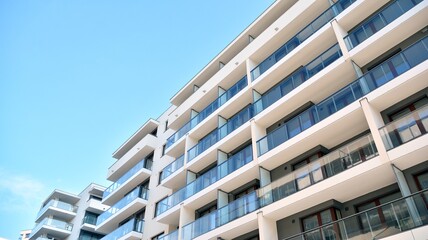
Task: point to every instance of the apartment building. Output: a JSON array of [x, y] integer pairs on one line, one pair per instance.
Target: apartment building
[[64, 215], [311, 124], [25, 234]]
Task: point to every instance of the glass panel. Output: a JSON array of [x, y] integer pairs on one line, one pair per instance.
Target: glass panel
[[145, 163], [405, 128], [235, 122], [234, 162], [232, 91], [300, 37], [376, 77], [378, 21]]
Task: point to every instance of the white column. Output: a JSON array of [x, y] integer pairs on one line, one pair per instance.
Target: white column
[[187, 215], [250, 64], [340, 34], [190, 142], [267, 227], [257, 132], [375, 121]]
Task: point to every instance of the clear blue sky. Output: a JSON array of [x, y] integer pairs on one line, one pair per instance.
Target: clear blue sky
[[77, 78]]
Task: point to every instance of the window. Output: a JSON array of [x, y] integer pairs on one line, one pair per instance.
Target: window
[[166, 125], [422, 180], [90, 218], [381, 217], [409, 129], [308, 171], [95, 197], [85, 235], [158, 236], [321, 218], [163, 149], [154, 132]]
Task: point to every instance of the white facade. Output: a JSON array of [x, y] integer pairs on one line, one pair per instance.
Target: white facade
[[311, 124], [66, 216]]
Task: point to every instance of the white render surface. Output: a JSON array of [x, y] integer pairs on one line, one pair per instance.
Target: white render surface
[[365, 115]]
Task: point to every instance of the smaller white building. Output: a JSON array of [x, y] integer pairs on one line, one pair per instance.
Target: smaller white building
[[65, 215]]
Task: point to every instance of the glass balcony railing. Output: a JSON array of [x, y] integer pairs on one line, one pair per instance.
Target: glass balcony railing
[[375, 23], [51, 222], [297, 78], [378, 76], [130, 197], [90, 219], [376, 223], [133, 225], [145, 163], [340, 160], [172, 167], [405, 129], [171, 236], [301, 36], [224, 215], [57, 204], [220, 171], [327, 166], [223, 98], [233, 123]]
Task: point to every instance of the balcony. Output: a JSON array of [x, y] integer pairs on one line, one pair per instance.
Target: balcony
[[401, 217], [95, 205], [340, 160], [132, 230], [405, 129], [89, 221], [222, 170], [59, 209], [170, 236], [300, 37], [52, 227], [235, 122], [378, 21], [207, 111], [131, 203], [171, 169], [232, 211], [297, 78], [132, 157], [134, 176], [375, 78]]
